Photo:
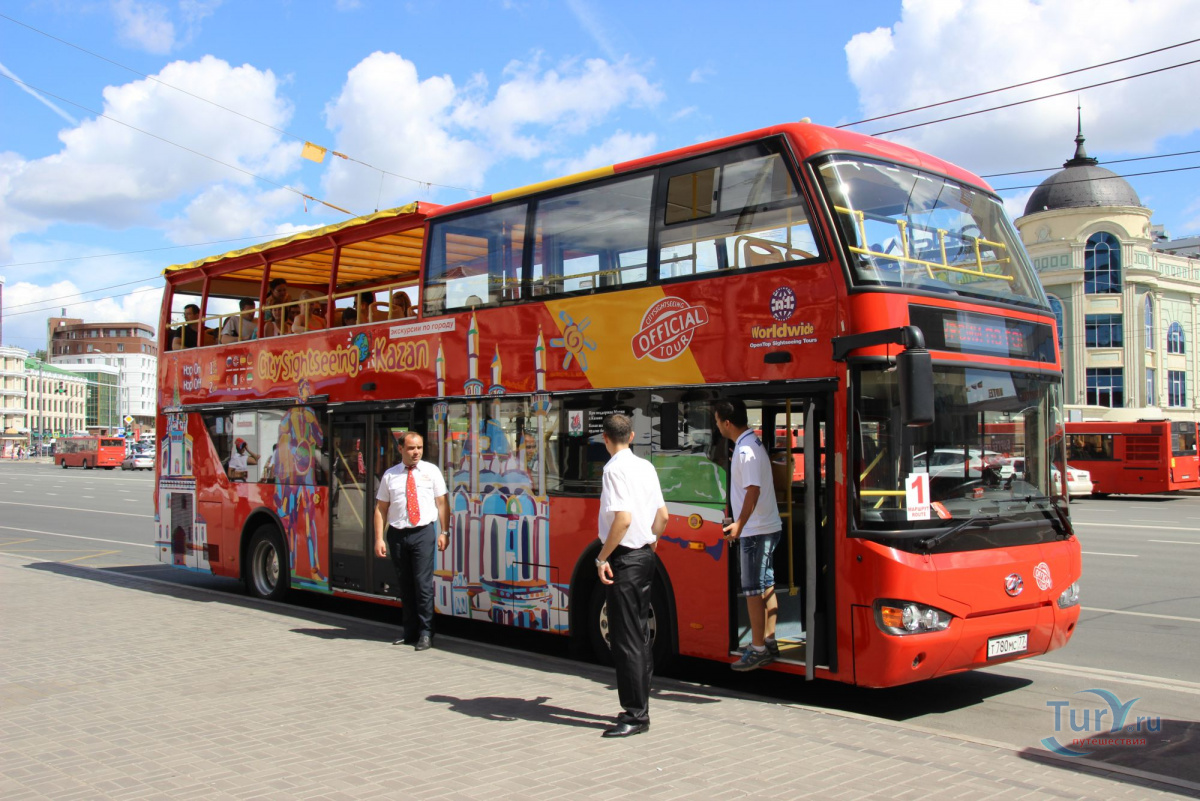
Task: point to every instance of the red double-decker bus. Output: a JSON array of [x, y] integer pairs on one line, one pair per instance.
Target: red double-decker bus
[[1135, 458], [870, 299], [89, 452]]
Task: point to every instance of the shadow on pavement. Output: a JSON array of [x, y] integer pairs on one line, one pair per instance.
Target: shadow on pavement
[[1172, 751], [535, 710]]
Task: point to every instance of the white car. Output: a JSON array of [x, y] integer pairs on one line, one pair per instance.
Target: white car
[[1079, 482], [954, 463], [138, 461]]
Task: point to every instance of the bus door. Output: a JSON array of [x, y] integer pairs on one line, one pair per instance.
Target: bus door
[[795, 430], [364, 446]]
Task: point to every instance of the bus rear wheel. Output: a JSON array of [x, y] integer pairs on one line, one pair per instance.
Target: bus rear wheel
[[662, 639], [63, 462], [267, 573]]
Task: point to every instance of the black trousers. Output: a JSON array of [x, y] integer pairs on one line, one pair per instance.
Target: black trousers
[[412, 554], [628, 600]]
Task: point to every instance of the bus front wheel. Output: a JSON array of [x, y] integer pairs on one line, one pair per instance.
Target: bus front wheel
[[267, 573], [63, 462], [662, 641]]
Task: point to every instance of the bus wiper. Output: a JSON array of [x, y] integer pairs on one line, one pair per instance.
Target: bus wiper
[[983, 521]]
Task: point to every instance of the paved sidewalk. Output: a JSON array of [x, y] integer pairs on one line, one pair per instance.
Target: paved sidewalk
[[117, 687]]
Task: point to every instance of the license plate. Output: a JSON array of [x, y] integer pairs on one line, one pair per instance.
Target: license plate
[[1007, 646]]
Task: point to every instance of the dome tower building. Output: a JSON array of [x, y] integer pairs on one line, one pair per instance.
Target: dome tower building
[[1128, 316]]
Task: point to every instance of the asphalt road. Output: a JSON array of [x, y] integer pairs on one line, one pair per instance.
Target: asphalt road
[[1138, 637]]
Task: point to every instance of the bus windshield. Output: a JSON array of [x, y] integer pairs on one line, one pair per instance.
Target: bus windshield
[[919, 231], [995, 449]]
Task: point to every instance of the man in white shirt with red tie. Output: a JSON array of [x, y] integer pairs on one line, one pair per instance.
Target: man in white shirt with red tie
[[411, 498], [632, 516]]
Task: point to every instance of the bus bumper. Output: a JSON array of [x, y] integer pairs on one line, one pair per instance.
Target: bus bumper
[[882, 659]]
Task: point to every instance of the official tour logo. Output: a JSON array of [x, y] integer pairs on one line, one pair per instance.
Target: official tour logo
[[667, 329], [1086, 725]]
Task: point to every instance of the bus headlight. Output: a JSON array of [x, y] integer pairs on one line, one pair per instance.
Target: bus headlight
[[907, 617], [1069, 597]]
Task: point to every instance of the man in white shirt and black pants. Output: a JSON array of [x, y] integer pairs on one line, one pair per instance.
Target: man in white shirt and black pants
[[632, 516], [756, 527], [411, 498]]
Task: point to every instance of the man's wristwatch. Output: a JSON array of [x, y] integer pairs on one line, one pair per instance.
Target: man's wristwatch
[[601, 562]]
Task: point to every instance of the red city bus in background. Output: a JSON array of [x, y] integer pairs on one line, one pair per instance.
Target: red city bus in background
[[873, 301], [1136, 457], [89, 452]]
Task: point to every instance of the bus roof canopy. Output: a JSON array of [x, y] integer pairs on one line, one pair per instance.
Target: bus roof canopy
[[377, 248]]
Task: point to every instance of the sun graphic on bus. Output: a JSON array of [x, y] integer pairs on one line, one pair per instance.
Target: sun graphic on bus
[[574, 341]]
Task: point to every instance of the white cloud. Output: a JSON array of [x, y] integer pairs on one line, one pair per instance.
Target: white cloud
[[621, 146], [148, 25], [145, 26], [111, 175], [435, 131], [569, 99], [347, 5], [949, 49], [225, 212], [701, 74], [388, 117], [28, 306]]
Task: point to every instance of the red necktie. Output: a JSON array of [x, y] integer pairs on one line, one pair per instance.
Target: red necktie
[[410, 499]]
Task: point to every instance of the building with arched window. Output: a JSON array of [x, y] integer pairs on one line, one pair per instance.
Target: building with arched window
[[1126, 303]]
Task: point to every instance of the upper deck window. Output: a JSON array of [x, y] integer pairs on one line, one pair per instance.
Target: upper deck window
[[736, 211], [906, 228], [476, 260], [731, 210], [593, 237]]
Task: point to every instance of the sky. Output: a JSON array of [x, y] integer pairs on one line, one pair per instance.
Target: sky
[[136, 134]]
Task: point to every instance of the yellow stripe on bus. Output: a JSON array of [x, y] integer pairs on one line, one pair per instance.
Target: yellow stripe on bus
[[579, 177]]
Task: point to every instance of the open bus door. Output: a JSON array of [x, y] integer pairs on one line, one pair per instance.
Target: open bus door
[[804, 571], [364, 446]]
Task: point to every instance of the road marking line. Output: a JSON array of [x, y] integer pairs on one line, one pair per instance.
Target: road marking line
[[1141, 614], [16, 542], [1101, 553], [73, 509], [1157, 682], [93, 556], [1175, 542], [1126, 525], [77, 537]]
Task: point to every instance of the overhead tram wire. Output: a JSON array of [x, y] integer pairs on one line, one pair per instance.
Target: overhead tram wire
[[1109, 161], [226, 108], [11, 306], [136, 252], [1035, 99], [1011, 86], [53, 306], [183, 147], [1102, 178]]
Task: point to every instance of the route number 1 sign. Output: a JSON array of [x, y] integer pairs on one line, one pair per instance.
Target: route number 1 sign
[[916, 500]]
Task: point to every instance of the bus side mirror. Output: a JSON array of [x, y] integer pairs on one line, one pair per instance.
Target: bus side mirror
[[915, 366]]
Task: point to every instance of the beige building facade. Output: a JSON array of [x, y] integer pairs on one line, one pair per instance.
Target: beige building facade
[[1128, 312]]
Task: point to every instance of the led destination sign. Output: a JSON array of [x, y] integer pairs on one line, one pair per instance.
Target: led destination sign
[[966, 332]]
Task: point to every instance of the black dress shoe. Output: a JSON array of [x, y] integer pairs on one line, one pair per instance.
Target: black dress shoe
[[423, 644], [626, 729]]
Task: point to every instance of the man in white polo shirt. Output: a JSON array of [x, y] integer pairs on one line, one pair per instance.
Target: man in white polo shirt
[[632, 516], [411, 498], [756, 527]]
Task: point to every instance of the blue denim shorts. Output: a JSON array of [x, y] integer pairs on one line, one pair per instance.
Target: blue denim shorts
[[756, 558]]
